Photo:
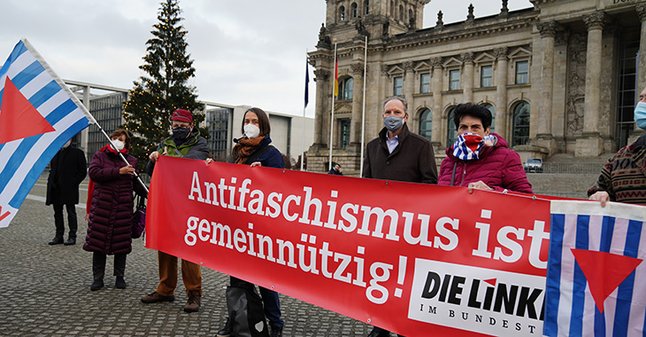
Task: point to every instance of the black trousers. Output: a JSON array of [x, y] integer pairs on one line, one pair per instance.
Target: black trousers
[[98, 265], [71, 220]]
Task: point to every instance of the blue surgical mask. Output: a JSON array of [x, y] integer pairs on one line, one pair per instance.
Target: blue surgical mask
[[393, 123], [640, 115]]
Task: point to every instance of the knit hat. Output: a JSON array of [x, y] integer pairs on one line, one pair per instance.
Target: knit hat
[[181, 115]]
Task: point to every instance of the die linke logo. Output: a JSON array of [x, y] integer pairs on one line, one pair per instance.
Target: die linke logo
[[458, 296]]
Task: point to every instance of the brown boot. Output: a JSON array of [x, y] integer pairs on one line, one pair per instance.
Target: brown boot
[[156, 297], [193, 303]]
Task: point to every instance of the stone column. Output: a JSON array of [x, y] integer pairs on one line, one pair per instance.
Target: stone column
[[467, 77], [501, 91], [544, 137], [641, 81], [591, 144], [409, 81], [322, 88], [357, 103], [436, 130]]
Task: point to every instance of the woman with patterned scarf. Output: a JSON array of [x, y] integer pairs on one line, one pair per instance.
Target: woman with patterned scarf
[[481, 159], [254, 149]]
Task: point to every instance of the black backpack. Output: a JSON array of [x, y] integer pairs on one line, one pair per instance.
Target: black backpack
[[246, 312]]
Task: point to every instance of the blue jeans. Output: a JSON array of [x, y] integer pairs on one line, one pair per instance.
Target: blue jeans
[[270, 301]]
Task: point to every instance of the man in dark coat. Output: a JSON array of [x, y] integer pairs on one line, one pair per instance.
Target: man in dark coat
[[67, 170], [335, 170], [185, 142], [398, 154]]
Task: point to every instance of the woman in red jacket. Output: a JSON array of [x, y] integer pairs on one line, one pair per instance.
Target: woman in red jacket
[[480, 159]]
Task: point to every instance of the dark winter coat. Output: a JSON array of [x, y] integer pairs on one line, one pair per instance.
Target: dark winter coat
[[266, 154], [624, 175], [498, 166], [412, 160], [67, 170], [195, 147], [112, 204]]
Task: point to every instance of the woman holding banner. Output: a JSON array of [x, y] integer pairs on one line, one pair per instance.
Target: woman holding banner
[[480, 159], [110, 203], [254, 149]]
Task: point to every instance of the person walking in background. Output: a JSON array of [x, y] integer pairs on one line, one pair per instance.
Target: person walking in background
[[254, 149], [110, 211], [398, 154], [623, 177], [335, 170], [185, 142], [67, 170], [480, 159]]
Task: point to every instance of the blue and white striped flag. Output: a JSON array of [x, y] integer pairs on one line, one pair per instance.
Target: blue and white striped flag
[[596, 278], [38, 114]]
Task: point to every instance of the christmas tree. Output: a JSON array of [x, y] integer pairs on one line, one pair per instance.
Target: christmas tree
[[164, 87]]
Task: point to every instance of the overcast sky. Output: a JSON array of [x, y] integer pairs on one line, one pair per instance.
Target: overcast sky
[[249, 52]]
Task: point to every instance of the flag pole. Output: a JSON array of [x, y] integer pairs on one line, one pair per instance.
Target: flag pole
[[363, 110], [334, 93], [307, 84], [78, 102]]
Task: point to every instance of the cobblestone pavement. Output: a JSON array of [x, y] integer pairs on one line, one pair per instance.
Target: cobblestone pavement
[[45, 290]]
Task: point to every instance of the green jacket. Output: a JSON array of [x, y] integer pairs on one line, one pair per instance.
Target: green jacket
[[195, 147]]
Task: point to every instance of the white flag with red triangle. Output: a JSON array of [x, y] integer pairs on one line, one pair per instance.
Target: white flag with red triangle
[[596, 275], [38, 114]]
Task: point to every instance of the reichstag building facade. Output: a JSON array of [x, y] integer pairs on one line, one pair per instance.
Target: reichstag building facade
[[559, 77]]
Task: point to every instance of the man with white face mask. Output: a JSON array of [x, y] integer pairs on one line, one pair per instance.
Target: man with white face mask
[[185, 142], [623, 177], [398, 154], [67, 170]]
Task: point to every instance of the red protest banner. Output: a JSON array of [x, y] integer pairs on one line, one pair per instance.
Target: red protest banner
[[419, 260]]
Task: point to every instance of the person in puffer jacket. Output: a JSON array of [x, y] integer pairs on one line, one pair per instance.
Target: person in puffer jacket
[[110, 202], [480, 159]]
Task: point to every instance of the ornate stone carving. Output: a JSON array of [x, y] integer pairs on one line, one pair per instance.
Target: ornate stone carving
[[470, 16], [324, 39], [436, 62], [641, 11], [439, 24], [361, 28], [595, 20], [547, 29], [500, 53], [321, 74], [504, 10], [385, 29], [408, 66], [357, 70], [467, 57], [384, 70], [575, 95]]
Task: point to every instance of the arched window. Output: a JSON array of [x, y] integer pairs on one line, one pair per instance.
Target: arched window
[[520, 127], [401, 13], [426, 123], [366, 7], [411, 16], [345, 88], [493, 115], [451, 134], [342, 13], [354, 10]]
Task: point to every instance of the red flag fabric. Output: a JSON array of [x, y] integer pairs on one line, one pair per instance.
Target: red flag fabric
[[336, 78]]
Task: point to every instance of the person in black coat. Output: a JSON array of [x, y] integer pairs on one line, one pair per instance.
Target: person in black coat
[[335, 170], [67, 170]]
